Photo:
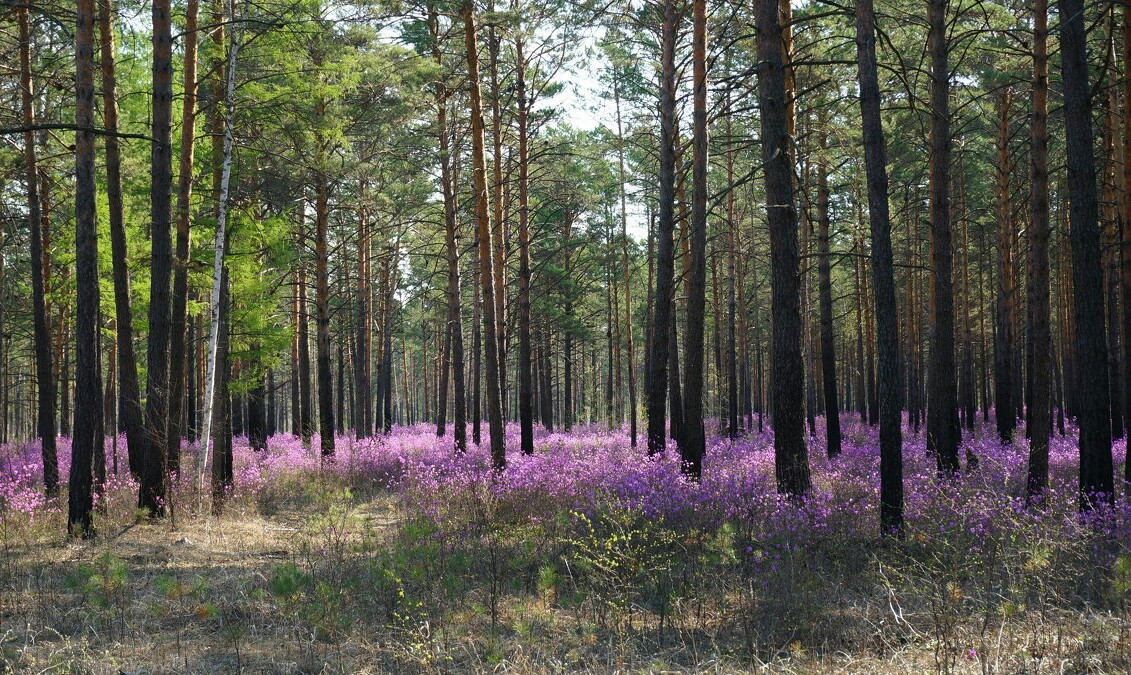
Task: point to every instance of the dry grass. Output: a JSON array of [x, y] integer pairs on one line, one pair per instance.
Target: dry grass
[[314, 578]]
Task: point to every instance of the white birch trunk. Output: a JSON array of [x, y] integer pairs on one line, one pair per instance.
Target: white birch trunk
[[218, 261]]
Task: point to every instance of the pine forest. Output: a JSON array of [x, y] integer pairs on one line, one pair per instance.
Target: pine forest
[[706, 336]]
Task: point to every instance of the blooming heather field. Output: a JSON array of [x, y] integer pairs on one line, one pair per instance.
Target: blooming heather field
[[402, 556]]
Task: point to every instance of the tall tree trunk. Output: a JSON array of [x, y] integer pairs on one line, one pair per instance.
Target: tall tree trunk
[[322, 309], [88, 406], [454, 333], [45, 411], [825, 291], [221, 401], [1093, 411], [734, 330], [363, 346], [256, 414], [180, 271], [1125, 259], [497, 202], [219, 291], [152, 492], [665, 230], [306, 422], [883, 285], [693, 441], [483, 223], [128, 393], [1039, 339], [627, 271], [791, 461], [525, 385], [943, 433], [1003, 342], [547, 399]]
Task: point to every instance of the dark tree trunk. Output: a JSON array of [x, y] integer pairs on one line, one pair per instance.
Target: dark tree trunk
[[1003, 336], [547, 399], [693, 441], [1092, 405], [887, 319], [363, 346], [567, 377], [735, 424], [455, 312], [675, 392], [825, 292], [483, 223], [152, 492], [665, 230], [525, 385], [306, 423], [45, 411], [943, 434], [184, 214], [1039, 339], [1125, 259], [129, 395], [788, 379], [257, 427], [88, 406], [627, 271], [272, 411], [322, 308]]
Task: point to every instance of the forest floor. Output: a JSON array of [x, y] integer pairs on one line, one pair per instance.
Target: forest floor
[[593, 560]]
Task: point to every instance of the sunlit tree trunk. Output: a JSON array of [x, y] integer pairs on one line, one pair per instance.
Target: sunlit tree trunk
[[483, 223]]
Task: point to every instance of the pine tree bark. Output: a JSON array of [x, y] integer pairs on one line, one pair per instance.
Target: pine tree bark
[[887, 319], [825, 293], [88, 405], [178, 311], [665, 230], [45, 380], [322, 314], [483, 223], [627, 271], [693, 440], [363, 345], [1125, 258], [788, 379], [1092, 403], [129, 395], [525, 384], [155, 462], [451, 244], [1003, 336], [943, 435]]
